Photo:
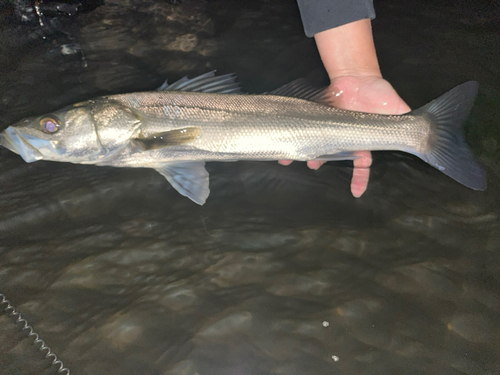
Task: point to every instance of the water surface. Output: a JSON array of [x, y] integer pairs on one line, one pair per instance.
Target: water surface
[[282, 271]]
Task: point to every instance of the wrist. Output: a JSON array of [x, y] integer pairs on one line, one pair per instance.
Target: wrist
[[348, 50], [354, 73]]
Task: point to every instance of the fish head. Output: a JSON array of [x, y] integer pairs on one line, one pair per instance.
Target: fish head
[[82, 133], [66, 135]]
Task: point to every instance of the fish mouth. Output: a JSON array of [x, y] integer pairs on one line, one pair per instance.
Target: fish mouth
[[19, 143]]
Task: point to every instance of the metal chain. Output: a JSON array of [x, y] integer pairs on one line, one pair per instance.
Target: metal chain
[[31, 333]]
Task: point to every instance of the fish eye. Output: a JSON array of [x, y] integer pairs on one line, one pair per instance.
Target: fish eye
[[50, 124]]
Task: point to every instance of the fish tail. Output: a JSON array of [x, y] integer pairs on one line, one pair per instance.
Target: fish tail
[[448, 151]]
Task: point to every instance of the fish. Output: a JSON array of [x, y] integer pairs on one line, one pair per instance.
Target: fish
[[179, 127]]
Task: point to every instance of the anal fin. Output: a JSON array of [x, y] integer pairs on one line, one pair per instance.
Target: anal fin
[[346, 155]]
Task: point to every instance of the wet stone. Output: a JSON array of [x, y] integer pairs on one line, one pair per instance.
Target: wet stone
[[184, 43], [179, 298], [239, 322], [247, 269], [294, 284], [419, 278], [474, 328]]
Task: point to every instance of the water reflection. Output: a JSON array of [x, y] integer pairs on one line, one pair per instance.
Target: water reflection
[[282, 271]]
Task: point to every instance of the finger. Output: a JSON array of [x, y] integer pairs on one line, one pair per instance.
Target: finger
[[361, 173], [359, 182], [315, 164], [363, 160], [285, 162]]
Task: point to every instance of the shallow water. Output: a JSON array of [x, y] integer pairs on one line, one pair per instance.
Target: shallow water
[[282, 271]]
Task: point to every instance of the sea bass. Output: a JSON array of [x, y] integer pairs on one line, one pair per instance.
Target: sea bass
[[179, 127]]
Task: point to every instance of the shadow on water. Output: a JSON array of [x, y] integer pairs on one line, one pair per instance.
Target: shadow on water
[[282, 271]]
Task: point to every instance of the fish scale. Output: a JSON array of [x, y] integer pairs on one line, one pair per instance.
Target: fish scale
[[267, 127]]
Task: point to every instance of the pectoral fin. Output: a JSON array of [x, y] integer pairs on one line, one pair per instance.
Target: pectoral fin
[[169, 138], [188, 178]]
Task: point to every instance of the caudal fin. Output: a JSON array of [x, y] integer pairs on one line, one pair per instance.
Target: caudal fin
[[449, 153]]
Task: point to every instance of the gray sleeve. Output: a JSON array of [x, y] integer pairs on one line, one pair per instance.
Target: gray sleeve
[[321, 15]]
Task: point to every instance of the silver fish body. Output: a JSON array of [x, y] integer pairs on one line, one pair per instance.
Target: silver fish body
[[177, 129], [262, 127]]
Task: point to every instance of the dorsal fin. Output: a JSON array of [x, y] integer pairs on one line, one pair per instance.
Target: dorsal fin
[[302, 89], [208, 82]]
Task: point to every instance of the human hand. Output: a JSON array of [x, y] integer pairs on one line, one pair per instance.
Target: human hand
[[371, 94]]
